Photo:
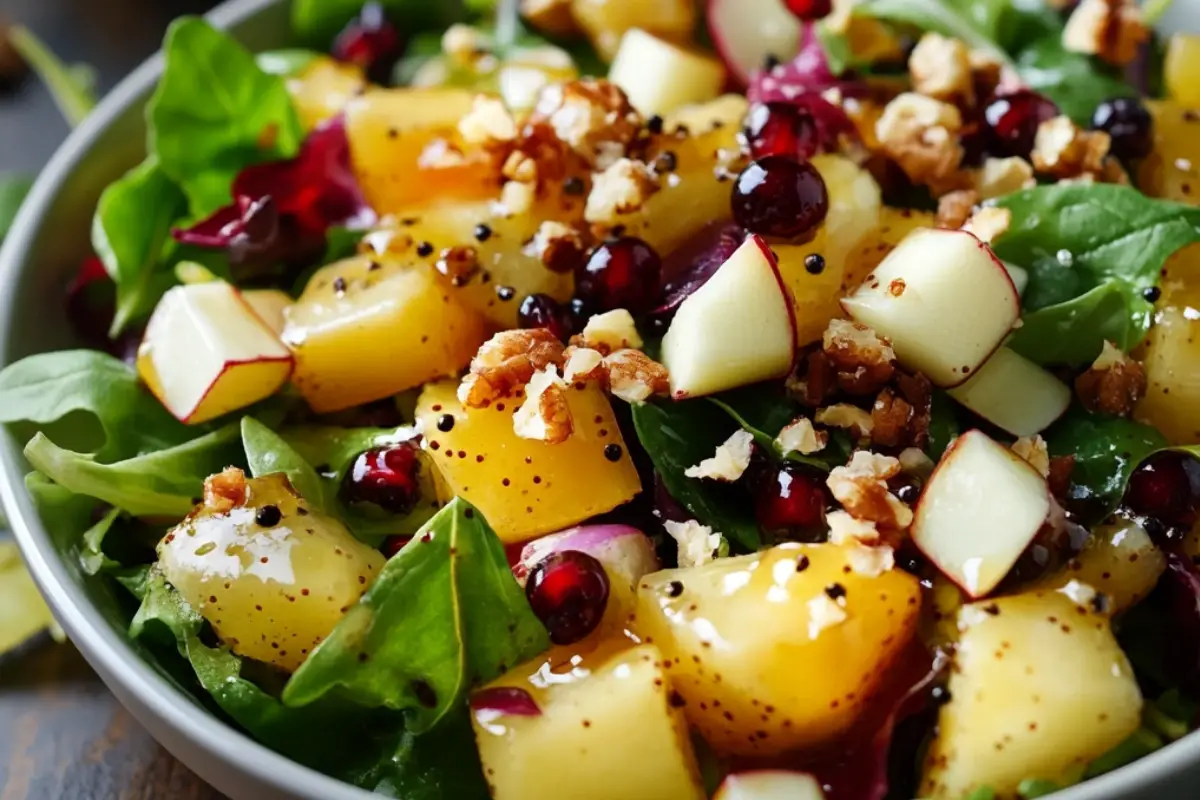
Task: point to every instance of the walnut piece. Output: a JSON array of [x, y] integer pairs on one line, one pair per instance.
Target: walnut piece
[[608, 332], [730, 460], [633, 376], [1113, 384], [863, 360], [583, 364], [1033, 449], [459, 264], [940, 67], [697, 543], [488, 123], [847, 417], [843, 529], [591, 116], [799, 436], [921, 135], [891, 420], [225, 490], [1000, 176], [516, 198], [861, 487], [1112, 30], [954, 208], [621, 189], [988, 222], [545, 415], [559, 247], [871, 562], [506, 362], [1063, 150]]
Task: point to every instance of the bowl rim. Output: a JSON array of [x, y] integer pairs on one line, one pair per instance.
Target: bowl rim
[[121, 664]]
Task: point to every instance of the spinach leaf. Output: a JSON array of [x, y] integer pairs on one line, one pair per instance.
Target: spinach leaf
[[316, 22], [1075, 238], [214, 112], [159, 484], [91, 555], [975, 23], [266, 453], [13, 189], [1074, 81], [444, 614], [72, 87], [132, 222], [1106, 450], [285, 62], [88, 401], [678, 435], [943, 424], [64, 513], [441, 764]]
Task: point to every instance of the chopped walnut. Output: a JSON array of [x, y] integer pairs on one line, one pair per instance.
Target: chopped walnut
[[987, 72], [818, 382], [891, 420], [621, 189], [225, 490], [488, 123], [633, 376], [440, 154], [592, 116], [1063, 150], [843, 528], [458, 264], [954, 208], [730, 460], [1113, 384], [1059, 478], [608, 332], [698, 544], [559, 247], [1112, 30], [520, 167], [847, 417], [583, 364], [861, 487], [824, 613], [1033, 449], [864, 361], [871, 562], [1000, 176], [506, 362], [799, 436], [941, 68], [922, 136], [516, 198], [988, 223], [545, 415]]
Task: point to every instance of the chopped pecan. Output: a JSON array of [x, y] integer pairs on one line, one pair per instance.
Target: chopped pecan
[[1113, 384], [818, 382], [954, 208], [506, 362], [1001, 176], [864, 361], [545, 415], [1112, 30], [988, 222], [225, 490], [633, 376]]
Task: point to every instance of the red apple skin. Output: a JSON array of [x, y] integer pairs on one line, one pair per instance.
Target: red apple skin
[[739, 73], [228, 365], [1016, 303], [945, 459]]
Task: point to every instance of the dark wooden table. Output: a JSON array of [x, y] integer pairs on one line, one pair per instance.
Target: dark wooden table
[[63, 736]]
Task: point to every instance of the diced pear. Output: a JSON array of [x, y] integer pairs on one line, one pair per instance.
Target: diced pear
[[1013, 393], [206, 353], [1119, 560], [1171, 353], [1038, 689], [659, 76], [323, 88], [603, 728], [269, 305], [777, 650]]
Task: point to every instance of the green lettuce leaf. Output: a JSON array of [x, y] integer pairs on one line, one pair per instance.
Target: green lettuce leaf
[[1074, 331], [267, 453], [132, 222], [215, 111], [91, 555], [73, 86], [444, 614]]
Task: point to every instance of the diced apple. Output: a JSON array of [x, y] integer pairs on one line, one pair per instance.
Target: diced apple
[[1119, 560], [895, 224], [605, 21], [945, 301], [1018, 275], [1013, 393], [1171, 352], [770, 784], [979, 511], [735, 330], [206, 353], [364, 329], [745, 32], [1038, 689], [625, 552], [269, 305], [602, 728], [659, 76], [323, 88], [777, 650]]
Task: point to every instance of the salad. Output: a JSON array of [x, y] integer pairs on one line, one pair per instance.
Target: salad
[[764, 400]]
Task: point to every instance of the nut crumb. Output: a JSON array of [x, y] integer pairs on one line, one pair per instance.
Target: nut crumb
[[730, 460], [940, 67], [847, 417], [1112, 30], [545, 415], [583, 364], [621, 189], [1062, 149], [698, 544], [954, 208], [863, 360], [1113, 384], [225, 490], [799, 436], [988, 223], [861, 487], [608, 332], [1033, 449], [844, 528]]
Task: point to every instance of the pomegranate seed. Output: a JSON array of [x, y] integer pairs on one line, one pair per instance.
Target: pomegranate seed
[[371, 42], [781, 129], [543, 311], [1162, 489], [385, 476], [791, 502], [509, 700], [778, 196], [1129, 124], [809, 9], [568, 592], [621, 273], [91, 302], [394, 544], [1012, 120]]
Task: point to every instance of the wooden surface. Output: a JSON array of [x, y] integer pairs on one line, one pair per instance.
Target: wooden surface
[[63, 736]]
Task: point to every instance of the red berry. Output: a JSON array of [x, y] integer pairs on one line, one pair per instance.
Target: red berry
[[568, 592], [509, 700], [809, 9], [394, 544], [1012, 120], [385, 476], [371, 42], [791, 502], [781, 129], [543, 311], [621, 273], [1162, 489], [779, 196]]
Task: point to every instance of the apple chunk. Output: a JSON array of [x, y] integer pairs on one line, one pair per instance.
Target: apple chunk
[[659, 76], [271, 306], [944, 300], [736, 329], [770, 784], [206, 352], [980, 510], [1012, 392]]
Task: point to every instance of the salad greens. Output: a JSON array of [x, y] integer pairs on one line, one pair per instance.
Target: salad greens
[[73, 86], [13, 189]]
